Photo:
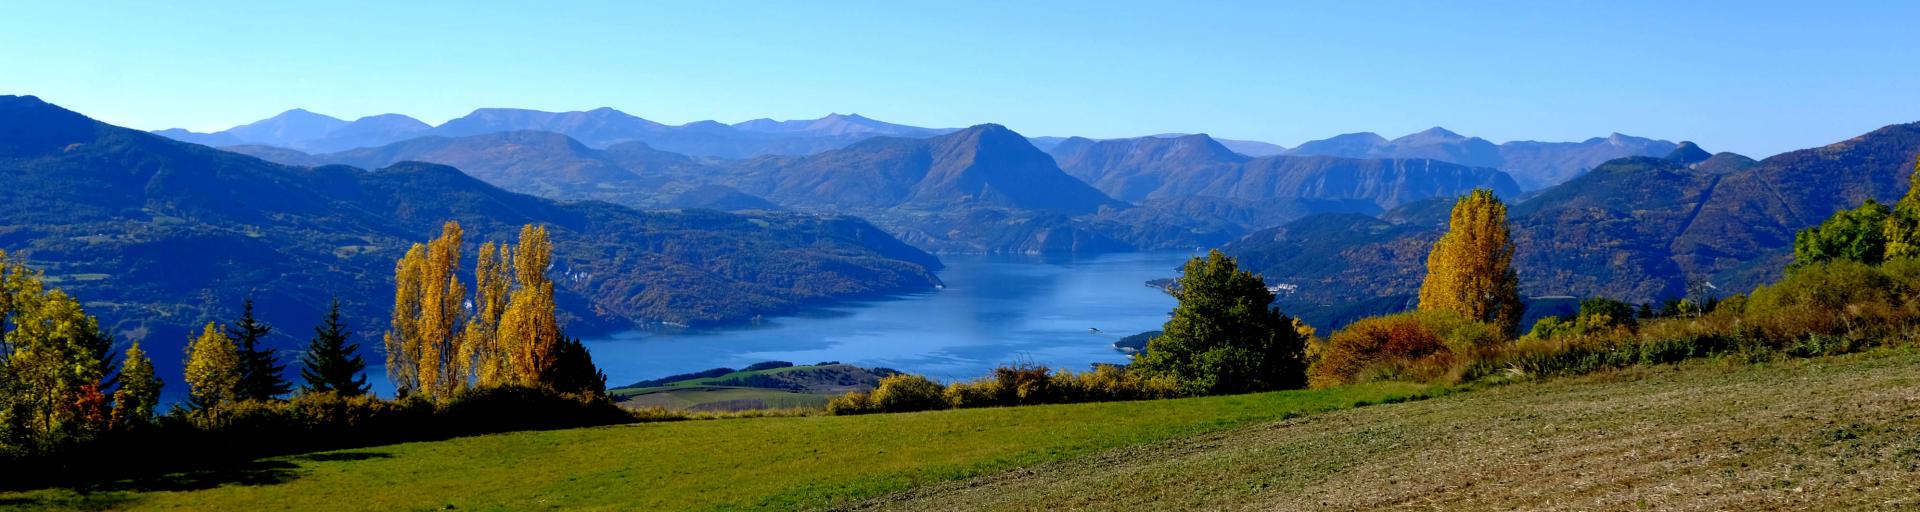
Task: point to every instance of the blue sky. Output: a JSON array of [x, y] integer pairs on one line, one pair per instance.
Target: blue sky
[[1753, 77]]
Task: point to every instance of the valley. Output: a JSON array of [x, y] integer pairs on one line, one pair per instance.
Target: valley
[[1539, 256]]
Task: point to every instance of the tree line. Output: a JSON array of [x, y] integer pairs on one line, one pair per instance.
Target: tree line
[[63, 387]]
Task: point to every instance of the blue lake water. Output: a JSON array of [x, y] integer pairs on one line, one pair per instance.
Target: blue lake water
[[995, 309]]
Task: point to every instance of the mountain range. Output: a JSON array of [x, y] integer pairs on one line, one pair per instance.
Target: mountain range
[[1251, 148], [1148, 168], [158, 236], [602, 127], [1534, 165], [1639, 229], [980, 189]]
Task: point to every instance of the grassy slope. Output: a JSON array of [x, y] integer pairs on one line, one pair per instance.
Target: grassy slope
[[1841, 433], [702, 394], [770, 463], [680, 397]]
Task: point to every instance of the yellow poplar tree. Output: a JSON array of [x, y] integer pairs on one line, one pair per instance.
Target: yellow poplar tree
[[400, 338], [493, 282], [425, 340], [213, 368], [529, 332], [1470, 270]]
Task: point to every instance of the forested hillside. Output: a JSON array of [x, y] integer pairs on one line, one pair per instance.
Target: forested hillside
[[159, 235]]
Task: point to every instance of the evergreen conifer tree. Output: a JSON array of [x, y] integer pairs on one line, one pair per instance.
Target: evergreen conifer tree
[[260, 371], [331, 363]]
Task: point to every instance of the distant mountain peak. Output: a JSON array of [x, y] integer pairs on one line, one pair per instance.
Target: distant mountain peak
[[1688, 154], [1367, 136], [848, 117], [987, 128], [301, 114]]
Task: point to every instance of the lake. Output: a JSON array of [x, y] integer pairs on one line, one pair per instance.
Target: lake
[[995, 309]]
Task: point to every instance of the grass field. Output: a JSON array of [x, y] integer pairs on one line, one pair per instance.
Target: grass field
[[1830, 433], [763, 463], [1821, 434], [806, 386], [681, 398]]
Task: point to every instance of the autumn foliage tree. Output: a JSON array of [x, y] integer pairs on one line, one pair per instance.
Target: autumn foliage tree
[[56, 364], [213, 370], [139, 393], [509, 334], [428, 305], [1470, 270], [529, 330], [493, 282]]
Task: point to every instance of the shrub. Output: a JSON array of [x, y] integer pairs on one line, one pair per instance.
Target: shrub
[[854, 402], [1419, 346], [908, 393], [1108, 383], [977, 393]]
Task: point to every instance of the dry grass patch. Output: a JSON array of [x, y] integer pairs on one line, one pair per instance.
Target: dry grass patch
[[1807, 434]]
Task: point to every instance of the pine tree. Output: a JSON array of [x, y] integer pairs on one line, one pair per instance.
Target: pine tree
[[260, 371], [213, 369], [1225, 336], [139, 393], [1470, 270], [331, 363], [574, 371]]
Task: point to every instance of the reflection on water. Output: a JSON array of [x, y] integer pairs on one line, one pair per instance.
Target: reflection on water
[[995, 309]]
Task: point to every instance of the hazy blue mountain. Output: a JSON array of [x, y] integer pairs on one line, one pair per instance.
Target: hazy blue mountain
[[1534, 165], [549, 165], [986, 165], [1542, 164], [1252, 148], [1135, 169], [597, 127], [217, 139], [1350, 145], [375, 130], [308, 132], [287, 128], [158, 236], [839, 125], [1198, 166]]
